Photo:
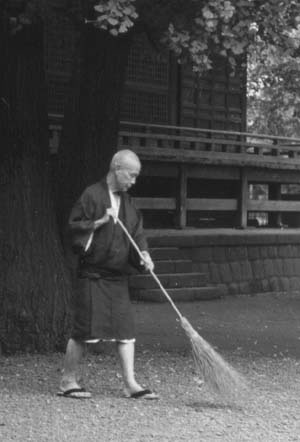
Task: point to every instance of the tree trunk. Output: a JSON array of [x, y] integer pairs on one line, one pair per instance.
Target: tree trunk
[[91, 124], [34, 283]]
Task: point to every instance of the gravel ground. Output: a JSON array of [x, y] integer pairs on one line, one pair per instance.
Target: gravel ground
[[270, 361], [30, 411]]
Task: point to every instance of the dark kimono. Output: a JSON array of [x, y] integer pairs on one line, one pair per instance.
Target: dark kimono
[[102, 308]]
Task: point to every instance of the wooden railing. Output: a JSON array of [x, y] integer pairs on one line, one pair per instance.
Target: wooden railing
[[187, 142], [185, 153], [212, 146], [246, 158]]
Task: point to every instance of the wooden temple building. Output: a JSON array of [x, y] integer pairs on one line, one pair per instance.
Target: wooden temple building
[[216, 200]]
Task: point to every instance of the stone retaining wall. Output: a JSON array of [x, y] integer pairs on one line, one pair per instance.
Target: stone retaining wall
[[242, 262]]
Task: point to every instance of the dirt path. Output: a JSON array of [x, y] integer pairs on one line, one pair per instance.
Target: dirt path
[[260, 337]]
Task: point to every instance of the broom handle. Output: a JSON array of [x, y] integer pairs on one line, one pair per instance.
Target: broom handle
[[151, 271]]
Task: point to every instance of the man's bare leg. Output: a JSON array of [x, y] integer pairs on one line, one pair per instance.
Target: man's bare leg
[[126, 353], [74, 353]]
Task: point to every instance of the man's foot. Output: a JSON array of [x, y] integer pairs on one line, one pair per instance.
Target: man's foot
[[71, 389], [141, 393], [144, 394], [75, 393]]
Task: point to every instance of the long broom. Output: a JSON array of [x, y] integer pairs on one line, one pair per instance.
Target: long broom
[[214, 370]]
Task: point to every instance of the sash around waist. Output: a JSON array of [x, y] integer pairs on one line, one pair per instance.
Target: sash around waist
[[110, 274]]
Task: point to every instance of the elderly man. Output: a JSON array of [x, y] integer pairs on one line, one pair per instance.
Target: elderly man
[[102, 308]]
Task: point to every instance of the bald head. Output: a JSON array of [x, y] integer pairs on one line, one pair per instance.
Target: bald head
[[124, 169], [125, 158]]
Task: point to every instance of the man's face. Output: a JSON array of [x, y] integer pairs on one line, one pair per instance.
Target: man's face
[[126, 175]]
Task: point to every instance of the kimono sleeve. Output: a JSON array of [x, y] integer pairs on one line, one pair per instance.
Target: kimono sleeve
[[81, 222]]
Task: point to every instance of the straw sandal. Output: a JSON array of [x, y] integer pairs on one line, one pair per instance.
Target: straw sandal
[[75, 393], [144, 394]]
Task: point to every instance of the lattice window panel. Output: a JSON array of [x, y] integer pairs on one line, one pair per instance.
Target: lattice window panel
[[215, 101], [145, 65], [147, 107], [146, 96]]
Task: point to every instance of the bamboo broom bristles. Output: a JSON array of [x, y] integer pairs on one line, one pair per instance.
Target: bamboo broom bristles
[[221, 377]]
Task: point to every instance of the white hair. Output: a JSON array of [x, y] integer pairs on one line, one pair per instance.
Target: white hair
[[122, 158]]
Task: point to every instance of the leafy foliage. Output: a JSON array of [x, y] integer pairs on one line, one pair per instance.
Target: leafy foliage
[[273, 89], [194, 30], [116, 16]]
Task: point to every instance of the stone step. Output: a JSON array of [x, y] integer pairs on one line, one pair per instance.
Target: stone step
[[166, 253], [168, 280], [174, 266], [177, 266], [186, 294]]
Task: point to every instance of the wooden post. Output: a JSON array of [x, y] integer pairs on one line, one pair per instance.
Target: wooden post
[[275, 219], [243, 199], [182, 196], [275, 152]]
